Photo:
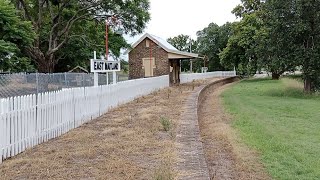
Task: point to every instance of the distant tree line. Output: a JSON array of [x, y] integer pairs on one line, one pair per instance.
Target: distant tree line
[[272, 35]]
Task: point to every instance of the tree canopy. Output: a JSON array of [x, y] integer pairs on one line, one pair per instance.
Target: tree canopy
[[277, 36], [184, 43], [211, 41], [272, 35], [15, 34], [68, 23]]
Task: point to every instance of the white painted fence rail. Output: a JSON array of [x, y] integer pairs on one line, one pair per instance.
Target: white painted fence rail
[[26, 121], [185, 78]]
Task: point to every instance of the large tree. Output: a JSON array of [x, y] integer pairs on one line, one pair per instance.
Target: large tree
[[236, 54], [247, 7], [184, 43], [276, 44], [211, 41], [308, 41], [242, 47], [262, 38], [15, 35], [293, 36], [53, 22], [92, 38], [289, 37]]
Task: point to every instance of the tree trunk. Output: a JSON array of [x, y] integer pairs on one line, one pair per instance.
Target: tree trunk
[[46, 65], [307, 85], [275, 76], [46, 68]]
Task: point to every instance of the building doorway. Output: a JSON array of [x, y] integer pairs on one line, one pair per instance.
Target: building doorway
[[174, 74], [148, 66]]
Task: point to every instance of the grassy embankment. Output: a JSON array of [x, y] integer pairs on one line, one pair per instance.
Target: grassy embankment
[[280, 123]]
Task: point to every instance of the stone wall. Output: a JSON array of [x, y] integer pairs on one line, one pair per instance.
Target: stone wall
[[212, 86], [141, 51]]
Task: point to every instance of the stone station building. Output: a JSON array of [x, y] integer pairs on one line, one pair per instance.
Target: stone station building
[[152, 56]]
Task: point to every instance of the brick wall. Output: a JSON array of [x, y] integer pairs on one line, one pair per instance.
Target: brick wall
[[141, 51]]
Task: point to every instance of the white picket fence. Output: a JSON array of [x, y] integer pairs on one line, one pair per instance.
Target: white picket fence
[[185, 78], [26, 121]]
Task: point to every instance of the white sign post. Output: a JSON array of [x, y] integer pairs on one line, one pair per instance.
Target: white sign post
[[114, 77], [107, 78]]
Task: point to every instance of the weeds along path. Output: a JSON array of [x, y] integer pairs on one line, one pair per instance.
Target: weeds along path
[[226, 156], [133, 141]]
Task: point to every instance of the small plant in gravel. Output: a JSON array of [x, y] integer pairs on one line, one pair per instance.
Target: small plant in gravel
[[163, 173], [169, 92], [166, 123], [193, 84]]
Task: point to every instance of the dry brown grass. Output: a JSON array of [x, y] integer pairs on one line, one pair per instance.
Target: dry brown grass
[[126, 143], [227, 157], [293, 84]]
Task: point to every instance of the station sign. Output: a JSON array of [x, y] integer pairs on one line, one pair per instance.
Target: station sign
[[98, 65]]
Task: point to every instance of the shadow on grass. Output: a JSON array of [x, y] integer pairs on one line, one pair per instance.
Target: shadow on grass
[[255, 80], [290, 92], [270, 80], [285, 87], [295, 77]]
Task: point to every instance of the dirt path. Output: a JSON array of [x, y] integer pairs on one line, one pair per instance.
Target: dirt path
[[128, 142], [226, 157]]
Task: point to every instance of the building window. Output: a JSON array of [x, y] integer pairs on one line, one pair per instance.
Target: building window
[[147, 43]]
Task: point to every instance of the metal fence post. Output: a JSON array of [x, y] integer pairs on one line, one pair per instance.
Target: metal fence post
[[65, 80], [37, 82], [83, 81]]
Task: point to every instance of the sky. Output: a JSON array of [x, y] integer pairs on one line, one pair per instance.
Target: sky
[[170, 18]]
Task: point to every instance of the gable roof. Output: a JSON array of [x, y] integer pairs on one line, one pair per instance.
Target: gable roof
[[164, 44], [79, 67]]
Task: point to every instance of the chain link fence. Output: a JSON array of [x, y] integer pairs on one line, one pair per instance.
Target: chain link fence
[[32, 83]]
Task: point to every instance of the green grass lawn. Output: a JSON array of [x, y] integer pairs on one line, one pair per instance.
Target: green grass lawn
[[280, 123]]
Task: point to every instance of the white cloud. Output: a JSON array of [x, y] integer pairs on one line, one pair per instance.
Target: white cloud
[[170, 18]]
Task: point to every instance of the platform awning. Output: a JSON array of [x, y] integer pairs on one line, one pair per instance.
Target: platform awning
[[181, 55]]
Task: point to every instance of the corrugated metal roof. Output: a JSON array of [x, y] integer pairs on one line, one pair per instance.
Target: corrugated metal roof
[[164, 44]]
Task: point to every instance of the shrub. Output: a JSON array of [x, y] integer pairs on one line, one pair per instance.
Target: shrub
[[166, 123]]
